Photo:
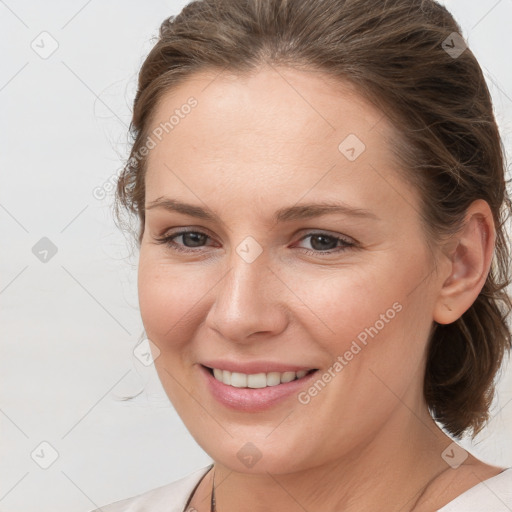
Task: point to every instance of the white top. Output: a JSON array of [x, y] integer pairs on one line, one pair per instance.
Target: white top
[[492, 495]]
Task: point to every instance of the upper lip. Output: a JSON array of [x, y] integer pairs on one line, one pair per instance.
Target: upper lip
[[253, 367]]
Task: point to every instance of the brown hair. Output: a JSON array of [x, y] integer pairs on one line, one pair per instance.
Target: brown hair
[[448, 141]]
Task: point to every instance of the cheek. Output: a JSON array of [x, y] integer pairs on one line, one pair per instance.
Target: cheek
[[345, 304], [371, 319], [169, 300]]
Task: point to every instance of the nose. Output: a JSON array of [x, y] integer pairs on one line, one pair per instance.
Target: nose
[[248, 302]]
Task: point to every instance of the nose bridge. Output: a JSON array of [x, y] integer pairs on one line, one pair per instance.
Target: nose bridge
[[246, 298]]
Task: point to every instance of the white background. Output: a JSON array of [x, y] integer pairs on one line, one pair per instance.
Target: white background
[[69, 325]]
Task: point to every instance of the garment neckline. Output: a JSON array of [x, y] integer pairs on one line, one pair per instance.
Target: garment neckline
[[191, 494], [483, 483]]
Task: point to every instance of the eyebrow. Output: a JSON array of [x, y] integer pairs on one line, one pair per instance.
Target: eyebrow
[[286, 214]]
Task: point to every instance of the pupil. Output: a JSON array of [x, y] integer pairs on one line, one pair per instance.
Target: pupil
[[326, 239], [197, 236]]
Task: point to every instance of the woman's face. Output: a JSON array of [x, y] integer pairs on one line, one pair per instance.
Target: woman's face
[[261, 276]]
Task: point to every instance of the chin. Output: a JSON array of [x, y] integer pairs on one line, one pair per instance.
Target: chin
[[256, 457]]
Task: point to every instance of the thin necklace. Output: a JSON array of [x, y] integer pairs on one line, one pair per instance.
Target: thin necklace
[[212, 502]]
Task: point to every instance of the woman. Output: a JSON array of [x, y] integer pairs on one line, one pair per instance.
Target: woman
[[323, 258]]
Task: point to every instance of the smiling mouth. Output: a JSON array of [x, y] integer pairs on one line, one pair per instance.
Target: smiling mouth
[[256, 380]]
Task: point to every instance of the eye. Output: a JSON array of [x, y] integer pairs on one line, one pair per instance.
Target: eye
[[324, 243], [192, 241]]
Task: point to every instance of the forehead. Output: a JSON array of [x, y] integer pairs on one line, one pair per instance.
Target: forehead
[[274, 131], [258, 105]]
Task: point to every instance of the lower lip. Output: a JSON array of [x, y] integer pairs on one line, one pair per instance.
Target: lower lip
[[253, 400]]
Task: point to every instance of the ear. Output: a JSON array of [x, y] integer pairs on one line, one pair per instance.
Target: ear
[[469, 260]]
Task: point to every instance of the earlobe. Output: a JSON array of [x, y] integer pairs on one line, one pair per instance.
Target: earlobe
[[468, 266]]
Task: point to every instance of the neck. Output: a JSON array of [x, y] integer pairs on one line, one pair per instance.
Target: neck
[[389, 472]]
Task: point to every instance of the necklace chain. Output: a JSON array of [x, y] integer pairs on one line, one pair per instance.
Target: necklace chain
[[212, 502]]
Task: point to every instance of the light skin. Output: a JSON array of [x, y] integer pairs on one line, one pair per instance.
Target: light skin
[[252, 146]]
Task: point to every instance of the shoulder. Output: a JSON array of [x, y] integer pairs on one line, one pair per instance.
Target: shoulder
[[171, 497], [491, 495]]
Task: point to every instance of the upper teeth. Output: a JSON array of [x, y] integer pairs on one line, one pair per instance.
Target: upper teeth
[[256, 380]]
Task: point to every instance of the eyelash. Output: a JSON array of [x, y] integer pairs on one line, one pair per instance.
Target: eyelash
[[169, 241]]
